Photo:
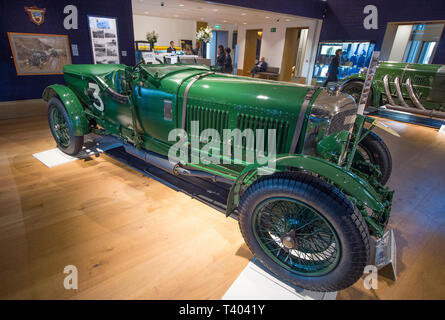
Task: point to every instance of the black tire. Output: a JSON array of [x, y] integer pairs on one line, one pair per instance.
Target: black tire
[[354, 88], [348, 223], [75, 143], [376, 151]]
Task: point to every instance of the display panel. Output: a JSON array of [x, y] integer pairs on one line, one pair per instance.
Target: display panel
[[39, 54], [355, 56], [104, 40]]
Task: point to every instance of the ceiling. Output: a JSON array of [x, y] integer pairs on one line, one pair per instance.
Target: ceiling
[[206, 11]]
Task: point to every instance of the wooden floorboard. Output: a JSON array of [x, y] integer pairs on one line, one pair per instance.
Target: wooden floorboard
[[132, 237]]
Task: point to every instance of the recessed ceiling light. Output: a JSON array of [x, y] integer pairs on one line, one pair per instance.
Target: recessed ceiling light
[[214, 10], [225, 21], [146, 12], [267, 17], [202, 18], [244, 22], [181, 5], [287, 20], [243, 14]]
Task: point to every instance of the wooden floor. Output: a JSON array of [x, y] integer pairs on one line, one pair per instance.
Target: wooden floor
[[133, 238]]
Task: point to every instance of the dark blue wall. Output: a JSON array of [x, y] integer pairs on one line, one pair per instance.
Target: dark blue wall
[[344, 19], [13, 18]]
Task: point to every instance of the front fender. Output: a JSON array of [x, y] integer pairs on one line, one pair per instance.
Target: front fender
[[346, 181], [72, 106]]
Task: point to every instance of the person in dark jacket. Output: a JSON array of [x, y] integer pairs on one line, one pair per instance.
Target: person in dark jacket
[[197, 50], [172, 48], [228, 68], [220, 58], [261, 66], [333, 68]]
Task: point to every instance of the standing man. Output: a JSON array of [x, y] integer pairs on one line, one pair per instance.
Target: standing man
[[333, 68], [172, 48], [261, 66]]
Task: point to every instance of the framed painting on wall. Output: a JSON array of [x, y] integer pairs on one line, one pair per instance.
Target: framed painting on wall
[[187, 46], [39, 54], [104, 41]]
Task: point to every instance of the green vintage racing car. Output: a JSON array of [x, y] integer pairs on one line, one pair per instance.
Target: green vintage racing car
[[415, 88], [310, 219]]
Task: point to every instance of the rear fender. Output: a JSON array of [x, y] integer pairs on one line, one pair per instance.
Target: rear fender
[[72, 106], [346, 181]]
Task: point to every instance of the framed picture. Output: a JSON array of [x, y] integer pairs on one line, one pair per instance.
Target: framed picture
[[187, 46], [39, 54], [104, 42]]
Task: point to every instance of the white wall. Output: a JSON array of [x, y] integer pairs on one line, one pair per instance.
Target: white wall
[[400, 42], [272, 44], [168, 29]]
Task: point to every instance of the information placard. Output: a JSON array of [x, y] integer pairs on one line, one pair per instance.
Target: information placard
[[104, 40]]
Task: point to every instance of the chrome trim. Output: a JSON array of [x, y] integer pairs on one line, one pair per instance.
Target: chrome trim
[[412, 95], [404, 70], [399, 92], [186, 93], [388, 90], [301, 117]]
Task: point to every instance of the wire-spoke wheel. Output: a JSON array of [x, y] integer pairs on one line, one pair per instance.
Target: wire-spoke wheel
[[305, 231], [373, 149], [296, 236], [354, 89], [62, 128]]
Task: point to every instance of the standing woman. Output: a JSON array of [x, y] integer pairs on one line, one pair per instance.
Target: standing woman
[[228, 68], [220, 58]]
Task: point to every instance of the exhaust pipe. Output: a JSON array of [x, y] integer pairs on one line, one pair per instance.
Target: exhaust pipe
[[388, 90], [171, 167], [420, 109], [152, 158], [412, 95], [427, 113], [399, 93]]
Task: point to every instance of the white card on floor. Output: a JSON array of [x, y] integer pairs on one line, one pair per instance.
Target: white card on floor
[[256, 283], [93, 145], [53, 157]]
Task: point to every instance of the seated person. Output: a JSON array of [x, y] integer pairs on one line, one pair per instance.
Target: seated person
[[171, 49], [261, 66]]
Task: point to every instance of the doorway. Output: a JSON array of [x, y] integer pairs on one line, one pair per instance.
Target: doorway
[[293, 54], [252, 49], [411, 42], [218, 38]]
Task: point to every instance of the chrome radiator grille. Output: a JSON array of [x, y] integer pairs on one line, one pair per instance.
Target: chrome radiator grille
[[343, 120]]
